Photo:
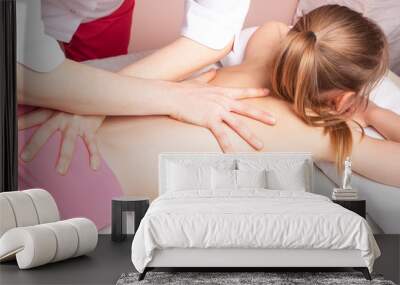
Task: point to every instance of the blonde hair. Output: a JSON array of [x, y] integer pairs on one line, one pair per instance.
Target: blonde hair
[[330, 48]]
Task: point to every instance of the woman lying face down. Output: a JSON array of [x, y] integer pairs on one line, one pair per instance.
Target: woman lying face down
[[320, 73]]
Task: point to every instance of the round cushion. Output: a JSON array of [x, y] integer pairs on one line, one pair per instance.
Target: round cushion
[[40, 244], [32, 246], [23, 208], [7, 220], [67, 239], [87, 233], [46, 207]]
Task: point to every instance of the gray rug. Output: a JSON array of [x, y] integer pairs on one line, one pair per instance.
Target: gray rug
[[244, 278]]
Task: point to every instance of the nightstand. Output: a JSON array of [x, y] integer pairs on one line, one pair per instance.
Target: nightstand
[[138, 205], [357, 206]]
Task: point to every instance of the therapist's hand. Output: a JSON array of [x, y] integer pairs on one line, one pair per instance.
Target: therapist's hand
[[71, 126], [214, 107]]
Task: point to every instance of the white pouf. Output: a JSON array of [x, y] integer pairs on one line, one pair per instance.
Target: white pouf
[[31, 233]]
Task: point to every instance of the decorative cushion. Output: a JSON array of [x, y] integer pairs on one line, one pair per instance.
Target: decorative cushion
[[227, 179], [251, 178], [223, 179], [278, 181]]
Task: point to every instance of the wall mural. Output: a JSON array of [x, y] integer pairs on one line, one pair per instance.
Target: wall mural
[[94, 118]]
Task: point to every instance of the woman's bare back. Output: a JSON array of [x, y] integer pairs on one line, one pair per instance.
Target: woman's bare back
[[131, 146]]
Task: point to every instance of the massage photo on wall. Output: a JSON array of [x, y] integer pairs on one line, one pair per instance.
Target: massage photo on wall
[[231, 119]]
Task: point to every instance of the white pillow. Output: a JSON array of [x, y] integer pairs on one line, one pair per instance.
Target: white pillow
[[278, 181], [193, 173], [282, 174], [251, 178], [181, 177], [223, 179], [227, 179]]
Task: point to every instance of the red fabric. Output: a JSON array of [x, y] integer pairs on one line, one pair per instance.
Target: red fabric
[[104, 37]]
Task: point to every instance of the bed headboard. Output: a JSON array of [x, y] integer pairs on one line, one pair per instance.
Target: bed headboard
[[284, 159]]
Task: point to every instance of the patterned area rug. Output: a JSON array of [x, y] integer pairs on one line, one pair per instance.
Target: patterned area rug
[[244, 278]]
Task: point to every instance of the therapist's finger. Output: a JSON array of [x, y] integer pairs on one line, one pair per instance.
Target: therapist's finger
[[94, 154], [218, 130], [34, 118], [38, 140], [243, 131], [251, 112], [243, 93], [67, 150]]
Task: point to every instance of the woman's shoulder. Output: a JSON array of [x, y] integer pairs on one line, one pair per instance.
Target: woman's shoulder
[[265, 40], [274, 27]]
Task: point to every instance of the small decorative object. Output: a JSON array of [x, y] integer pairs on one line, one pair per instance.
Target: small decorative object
[[346, 182], [346, 192]]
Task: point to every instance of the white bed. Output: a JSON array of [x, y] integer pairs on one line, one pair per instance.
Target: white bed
[[248, 227]]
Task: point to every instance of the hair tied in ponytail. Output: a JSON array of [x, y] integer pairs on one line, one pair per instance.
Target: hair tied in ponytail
[[311, 35], [332, 48]]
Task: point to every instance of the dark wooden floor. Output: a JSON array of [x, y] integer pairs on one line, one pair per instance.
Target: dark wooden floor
[[110, 260]]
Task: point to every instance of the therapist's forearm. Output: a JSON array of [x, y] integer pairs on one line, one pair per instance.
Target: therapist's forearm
[[176, 61], [80, 89]]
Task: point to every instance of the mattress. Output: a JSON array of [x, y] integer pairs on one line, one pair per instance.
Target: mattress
[[251, 218], [383, 202]]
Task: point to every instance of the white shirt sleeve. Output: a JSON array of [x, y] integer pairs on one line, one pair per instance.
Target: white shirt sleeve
[[35, 50], [214, 23]]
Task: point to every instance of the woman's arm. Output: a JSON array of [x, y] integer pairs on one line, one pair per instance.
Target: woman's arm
[[378, 160], [386, 122], [176, 61]]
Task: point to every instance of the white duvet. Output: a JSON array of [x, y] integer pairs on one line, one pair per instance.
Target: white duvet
[[252, 218]]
